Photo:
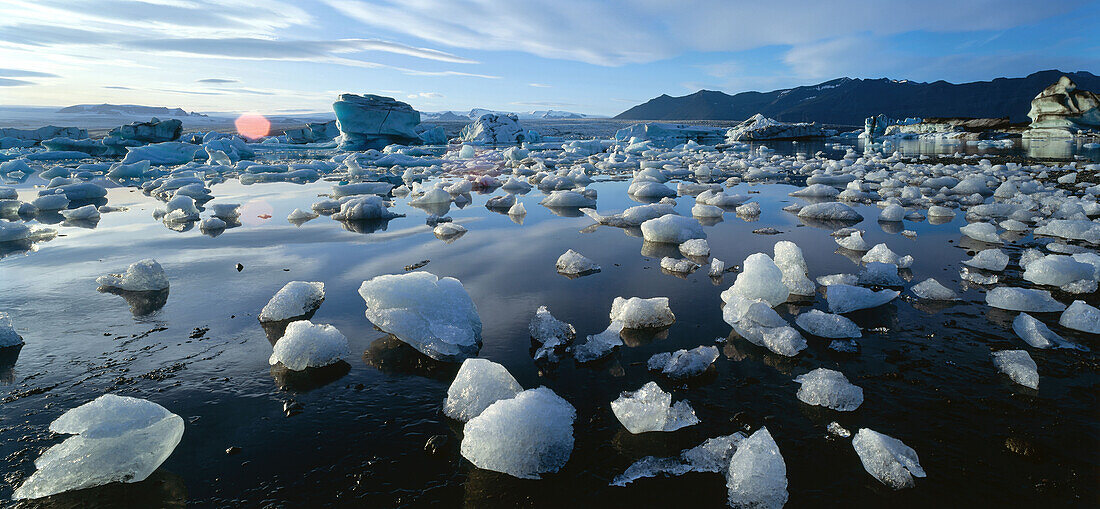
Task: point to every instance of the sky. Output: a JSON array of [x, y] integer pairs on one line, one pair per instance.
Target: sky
[[588, 56]]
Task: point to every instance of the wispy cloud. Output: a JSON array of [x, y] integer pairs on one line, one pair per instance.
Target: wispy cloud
[[270, 49], [216, 80], [425, 95], [538, 85], [20, 73], [9, 82]]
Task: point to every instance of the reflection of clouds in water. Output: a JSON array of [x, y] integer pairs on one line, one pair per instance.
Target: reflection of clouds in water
[[256, 212]]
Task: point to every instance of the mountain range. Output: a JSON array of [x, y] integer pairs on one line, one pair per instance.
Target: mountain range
[[848, 101], [128, 110]]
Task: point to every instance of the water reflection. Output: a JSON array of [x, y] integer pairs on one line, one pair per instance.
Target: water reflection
[[141, 303], [8, 358], [162, 489], [366, 225], [391, 355], [309, 378]]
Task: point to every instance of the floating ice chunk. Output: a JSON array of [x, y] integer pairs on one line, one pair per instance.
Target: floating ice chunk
[[983, 232], [826, 325], [651, 409], [568, 199], [364, 207], [229, 211], [713, 455], [976, 277], [853, 242], [1075, 229], [760, 279], [834, 211], [433, 315], [846, 298], [683, 363], [717, 267], [517, 210], [212, 224], [85, 213], [1013, 225], [932, 290], [892, 213], [573, 263], [117, 439], [887, 459], [678, 266], [880, 274], [1057, 270], [301, 215], [597, 346], [1019, 366], [838, 279], [816, 191], [142, 276], [881, 253], [358, 188], [1082, 317], [448, 230], [1023, 299], [783, 340], [8, 336], [757, 475], [834, 428], [432, 197], [550, 333], [789, 259], [309, 345], [830, 389], [644, 189], [639, 313], [478, 384], [51, 202], [989, 259], [295, 299], [695, 247], [940, 211], [748, 209], [523, 436], [672, 229], [701, 210], [1037, 334]]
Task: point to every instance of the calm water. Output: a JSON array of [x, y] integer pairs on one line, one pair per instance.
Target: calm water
[[356, 432]]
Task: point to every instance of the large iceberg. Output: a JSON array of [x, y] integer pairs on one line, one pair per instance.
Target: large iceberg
[[309, 345], [523, 436], [433, 315], [759, 127], [651, 409], [478, 384], [887, 459], [1062, 111], [373, 121], [494, 129], [757, 474], [117, 439]]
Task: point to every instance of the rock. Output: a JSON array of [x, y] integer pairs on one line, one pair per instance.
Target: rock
[[651, 409], [494, 129], [478, 384], [759, 127], [523, 436], [887, 459], [830, 389], [372, 122], [117, 439], [433, 315], [757, 474], [308, 345], [1062, 111]]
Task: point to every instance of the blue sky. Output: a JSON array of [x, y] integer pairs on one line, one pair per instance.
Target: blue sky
[[597, 57]]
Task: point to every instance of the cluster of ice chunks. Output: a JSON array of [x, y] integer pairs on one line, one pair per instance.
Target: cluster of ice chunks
[[524, 436], [142, 276], [887, 459], [116, 439], [433, 315], [478, 384], [295, 299], [308, 345], [573, 263], [639, 313], [713, 455], [683, 363], [830, 389], [757, 474], [651, 409], [550, 333]]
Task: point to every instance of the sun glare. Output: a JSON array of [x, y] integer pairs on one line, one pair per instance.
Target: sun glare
[[252, 125]]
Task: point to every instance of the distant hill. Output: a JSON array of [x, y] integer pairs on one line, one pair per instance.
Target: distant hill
[[128, 110], [848, 101]]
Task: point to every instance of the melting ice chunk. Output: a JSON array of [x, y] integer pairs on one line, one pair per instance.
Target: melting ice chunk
[[683, 363], [550, 333], [761, 279], [575, 264], [117, 439], [1019, 366], [651, 409], [789, 259], [478, 384], [309, 345], [1082, 317], [887, 459], [989, 259], [757, 475], [433, 315], [523, 436], [599, 345], [932, 290], [1022, 299], [639, 313], [695, 247], [1037, 334], [713, 455], [846, 298], [293, 300], [8, 336], [672, 229], [145, 275], [827, 325], [830, 389]]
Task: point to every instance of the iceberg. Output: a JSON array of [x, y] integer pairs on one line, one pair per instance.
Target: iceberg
[[695, 247], [757, 474], [758, 127], [830, 211], [789, 259], [494, 129], [989, 259], [1082, 317], [373, 121], [597, 346], [1037, 334], [932, 290], [550, 333], [523, 436], [433, 315], [8, 336], [1023, 299], [478, 384], [116, 439], [167, 153], [713, 455], [651, 409], [760, 279], [308, 345]]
